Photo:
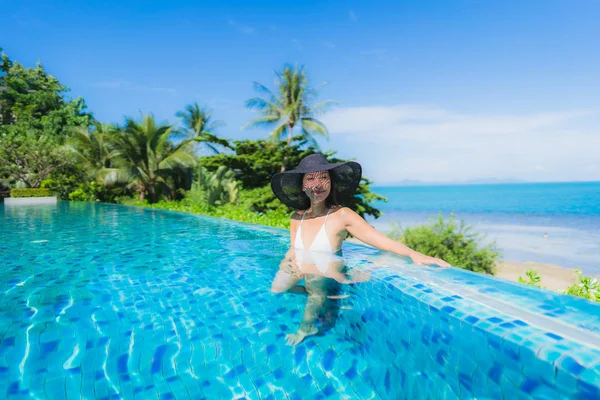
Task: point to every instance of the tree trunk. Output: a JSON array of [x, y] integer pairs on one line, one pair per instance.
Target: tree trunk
[[289, 143], [142, 191], [152, 192]]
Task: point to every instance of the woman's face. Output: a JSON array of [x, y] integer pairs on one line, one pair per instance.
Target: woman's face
[[317, 186]]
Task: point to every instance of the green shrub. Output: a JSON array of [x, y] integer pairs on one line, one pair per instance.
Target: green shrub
[[215, 188], [274, 218], [587, 288], [62, 186], [261, 200], [533, 278], [256, 161], [452, 242], [90, 192], [64, 181], [30, 192]]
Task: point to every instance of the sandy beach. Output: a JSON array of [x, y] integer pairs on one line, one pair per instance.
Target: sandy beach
[[554, 277]]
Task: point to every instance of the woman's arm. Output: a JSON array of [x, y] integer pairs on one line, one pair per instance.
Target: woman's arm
[[360, 229]]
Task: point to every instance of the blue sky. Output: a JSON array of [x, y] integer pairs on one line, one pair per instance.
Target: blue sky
[[428, 90]]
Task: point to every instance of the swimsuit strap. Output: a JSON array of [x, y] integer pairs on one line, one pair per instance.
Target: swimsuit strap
[[304, 214], [327, 216]]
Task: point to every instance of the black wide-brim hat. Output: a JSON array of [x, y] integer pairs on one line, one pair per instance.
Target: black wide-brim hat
[[345, 177]]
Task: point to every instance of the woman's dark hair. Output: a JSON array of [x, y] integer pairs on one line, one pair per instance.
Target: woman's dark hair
[[331, 200]]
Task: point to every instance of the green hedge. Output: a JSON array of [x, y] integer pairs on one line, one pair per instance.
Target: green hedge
[[274, 218], [28, 192]]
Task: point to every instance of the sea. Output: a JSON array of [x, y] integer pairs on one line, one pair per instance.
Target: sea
[[550, 223]]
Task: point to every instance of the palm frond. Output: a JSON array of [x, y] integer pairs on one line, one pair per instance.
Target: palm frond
[[313, 126], [265, 121], [322, 107], [278, 132], [258, 103], [260, 88], [290, 104]]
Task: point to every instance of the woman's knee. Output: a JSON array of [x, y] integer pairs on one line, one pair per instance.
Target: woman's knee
[[279, 288]]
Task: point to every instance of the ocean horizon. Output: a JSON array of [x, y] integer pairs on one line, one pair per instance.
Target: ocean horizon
[[547, 222]]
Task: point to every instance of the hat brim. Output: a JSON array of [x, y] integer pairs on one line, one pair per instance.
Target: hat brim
[[287, 186]]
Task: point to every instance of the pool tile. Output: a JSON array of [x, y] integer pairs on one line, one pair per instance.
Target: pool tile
[[237, 335]]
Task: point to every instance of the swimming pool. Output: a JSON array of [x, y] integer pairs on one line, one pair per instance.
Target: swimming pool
[[107, 301]]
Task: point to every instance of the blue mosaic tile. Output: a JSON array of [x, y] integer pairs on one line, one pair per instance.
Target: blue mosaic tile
[[191, 319], [572, 366], [553, 336]]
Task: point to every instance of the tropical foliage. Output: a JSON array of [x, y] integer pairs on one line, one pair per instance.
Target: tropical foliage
[[31, 100], [215, 188], [533, 278], [92, 148], [35, 119], [52, 142], [256, 161], [290, 105], [199, 127], [587, 288], [91, 192], [148, 160], [28, 157], [452, 241]]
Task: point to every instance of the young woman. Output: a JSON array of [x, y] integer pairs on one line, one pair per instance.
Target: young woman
[[317, 230]]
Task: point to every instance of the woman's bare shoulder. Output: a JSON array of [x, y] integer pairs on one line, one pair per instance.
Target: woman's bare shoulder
[[297, 216], [345, 211]]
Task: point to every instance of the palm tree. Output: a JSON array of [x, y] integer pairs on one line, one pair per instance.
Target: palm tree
[[147, 158], [290, 106], [199, 126], [93, 149]]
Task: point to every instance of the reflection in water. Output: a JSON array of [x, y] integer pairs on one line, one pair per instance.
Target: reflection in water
[[323, 275]]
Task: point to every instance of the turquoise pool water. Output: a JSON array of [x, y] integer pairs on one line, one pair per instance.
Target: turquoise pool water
[[104, 301]]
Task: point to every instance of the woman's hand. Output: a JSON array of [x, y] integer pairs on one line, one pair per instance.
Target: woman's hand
[[422, 259]]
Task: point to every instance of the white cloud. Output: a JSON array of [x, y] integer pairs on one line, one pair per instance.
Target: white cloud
[[435, 144], [352, 15], [241, 28], [328, 44]]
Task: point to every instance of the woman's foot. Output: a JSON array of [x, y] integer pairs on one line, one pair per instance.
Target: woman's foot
[[293, 339]]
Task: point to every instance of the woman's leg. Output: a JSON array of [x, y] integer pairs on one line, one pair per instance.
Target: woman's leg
[[286, 281], [314, 303]]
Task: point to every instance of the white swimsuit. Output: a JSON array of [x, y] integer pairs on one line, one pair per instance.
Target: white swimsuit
[[320, 252]]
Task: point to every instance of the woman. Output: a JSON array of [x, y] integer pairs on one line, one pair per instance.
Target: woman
[[316, 189]]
